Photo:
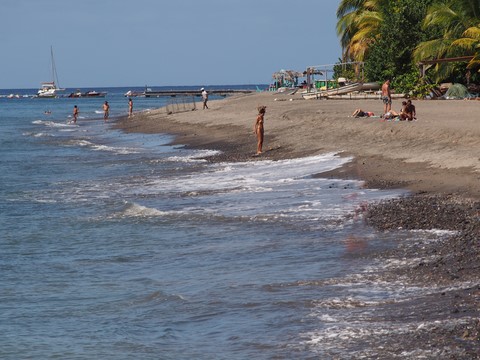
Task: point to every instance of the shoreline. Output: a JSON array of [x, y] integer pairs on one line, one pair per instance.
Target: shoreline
[[436, 158], [439, 153]]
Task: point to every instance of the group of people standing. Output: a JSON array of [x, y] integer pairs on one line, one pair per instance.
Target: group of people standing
[[106, 110], [106, 107]]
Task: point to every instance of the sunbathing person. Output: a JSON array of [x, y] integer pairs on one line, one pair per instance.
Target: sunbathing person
[[392, 114], [361, 113]]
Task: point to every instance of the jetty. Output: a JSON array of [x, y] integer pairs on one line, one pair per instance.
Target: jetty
[[173, 93]]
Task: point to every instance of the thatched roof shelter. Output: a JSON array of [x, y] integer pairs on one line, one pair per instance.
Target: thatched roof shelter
[[287, 75]]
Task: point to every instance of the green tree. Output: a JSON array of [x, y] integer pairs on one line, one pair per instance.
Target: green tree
[[391, 55], [392, 36], [348, 71], [470, 43], [458, 24], [357, 26]]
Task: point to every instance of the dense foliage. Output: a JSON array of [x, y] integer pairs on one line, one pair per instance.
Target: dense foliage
[[392, 36], [391, 55]]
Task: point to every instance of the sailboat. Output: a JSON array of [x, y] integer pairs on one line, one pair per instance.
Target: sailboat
[[50, 89]]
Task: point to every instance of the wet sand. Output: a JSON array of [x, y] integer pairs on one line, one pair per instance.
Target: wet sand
[[436, 157]]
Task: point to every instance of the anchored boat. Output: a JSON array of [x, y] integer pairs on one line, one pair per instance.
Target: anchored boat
[[50, 89]]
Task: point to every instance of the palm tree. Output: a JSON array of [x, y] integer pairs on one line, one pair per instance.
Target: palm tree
[[470, 43], [357, 26], [458, 23]]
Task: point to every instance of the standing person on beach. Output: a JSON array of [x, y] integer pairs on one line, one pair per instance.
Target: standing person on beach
[[386, 97], [75, 114], [258, 128], [204, 98], [106, 110], [130, 107]]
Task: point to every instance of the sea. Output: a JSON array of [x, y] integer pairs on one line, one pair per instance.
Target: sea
[[122, 246]]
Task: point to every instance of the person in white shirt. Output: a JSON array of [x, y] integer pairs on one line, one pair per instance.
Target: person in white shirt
[[205, 98]]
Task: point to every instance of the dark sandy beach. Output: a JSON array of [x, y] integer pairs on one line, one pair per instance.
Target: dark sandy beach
[[436, 157]]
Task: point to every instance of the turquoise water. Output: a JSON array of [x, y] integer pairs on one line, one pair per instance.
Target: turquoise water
[[118, 245]]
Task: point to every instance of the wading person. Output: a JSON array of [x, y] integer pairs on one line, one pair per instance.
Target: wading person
[[75, 114], [258, 128], [130, 107], [106, 110]]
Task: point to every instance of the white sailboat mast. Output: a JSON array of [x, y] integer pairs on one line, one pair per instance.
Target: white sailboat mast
[[54, 70]]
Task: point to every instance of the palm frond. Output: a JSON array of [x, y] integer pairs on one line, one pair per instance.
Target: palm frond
[[473, 32], [433, 49], [439, 14], [358, 23], [466, 44], [347, 6]]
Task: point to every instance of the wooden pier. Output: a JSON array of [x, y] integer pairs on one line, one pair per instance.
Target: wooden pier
[[173, 93]]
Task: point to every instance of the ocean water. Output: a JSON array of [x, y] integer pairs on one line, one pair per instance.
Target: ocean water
[[121, 246]]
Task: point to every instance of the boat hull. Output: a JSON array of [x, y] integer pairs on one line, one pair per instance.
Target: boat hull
[[49, 90], [342, 90], [88, 94]]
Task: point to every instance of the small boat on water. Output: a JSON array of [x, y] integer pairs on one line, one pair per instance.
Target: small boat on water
[[131, 93], [91, 93], [50, 89]]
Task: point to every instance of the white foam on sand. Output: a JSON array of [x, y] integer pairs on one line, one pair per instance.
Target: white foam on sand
[[344, 339], [195, 156], [355, 322], [253, 176], [288, 188]]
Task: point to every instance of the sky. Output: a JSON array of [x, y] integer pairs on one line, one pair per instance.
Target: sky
[[102, 43]]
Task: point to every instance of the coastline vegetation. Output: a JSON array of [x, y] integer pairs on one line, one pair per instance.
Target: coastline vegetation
[[392, 37]]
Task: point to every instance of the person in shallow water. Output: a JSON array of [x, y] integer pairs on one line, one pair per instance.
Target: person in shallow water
[[258, 128], [75, 114], [106, 110]]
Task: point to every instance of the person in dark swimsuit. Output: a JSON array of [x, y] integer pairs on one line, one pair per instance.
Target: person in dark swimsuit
[[258, 128], [106, 110], [75, 114]]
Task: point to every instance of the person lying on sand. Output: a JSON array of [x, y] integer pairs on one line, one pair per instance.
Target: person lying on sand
[[361, 113], [392, 114]]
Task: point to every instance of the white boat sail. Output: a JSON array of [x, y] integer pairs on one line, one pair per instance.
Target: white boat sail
[[50, 89]]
